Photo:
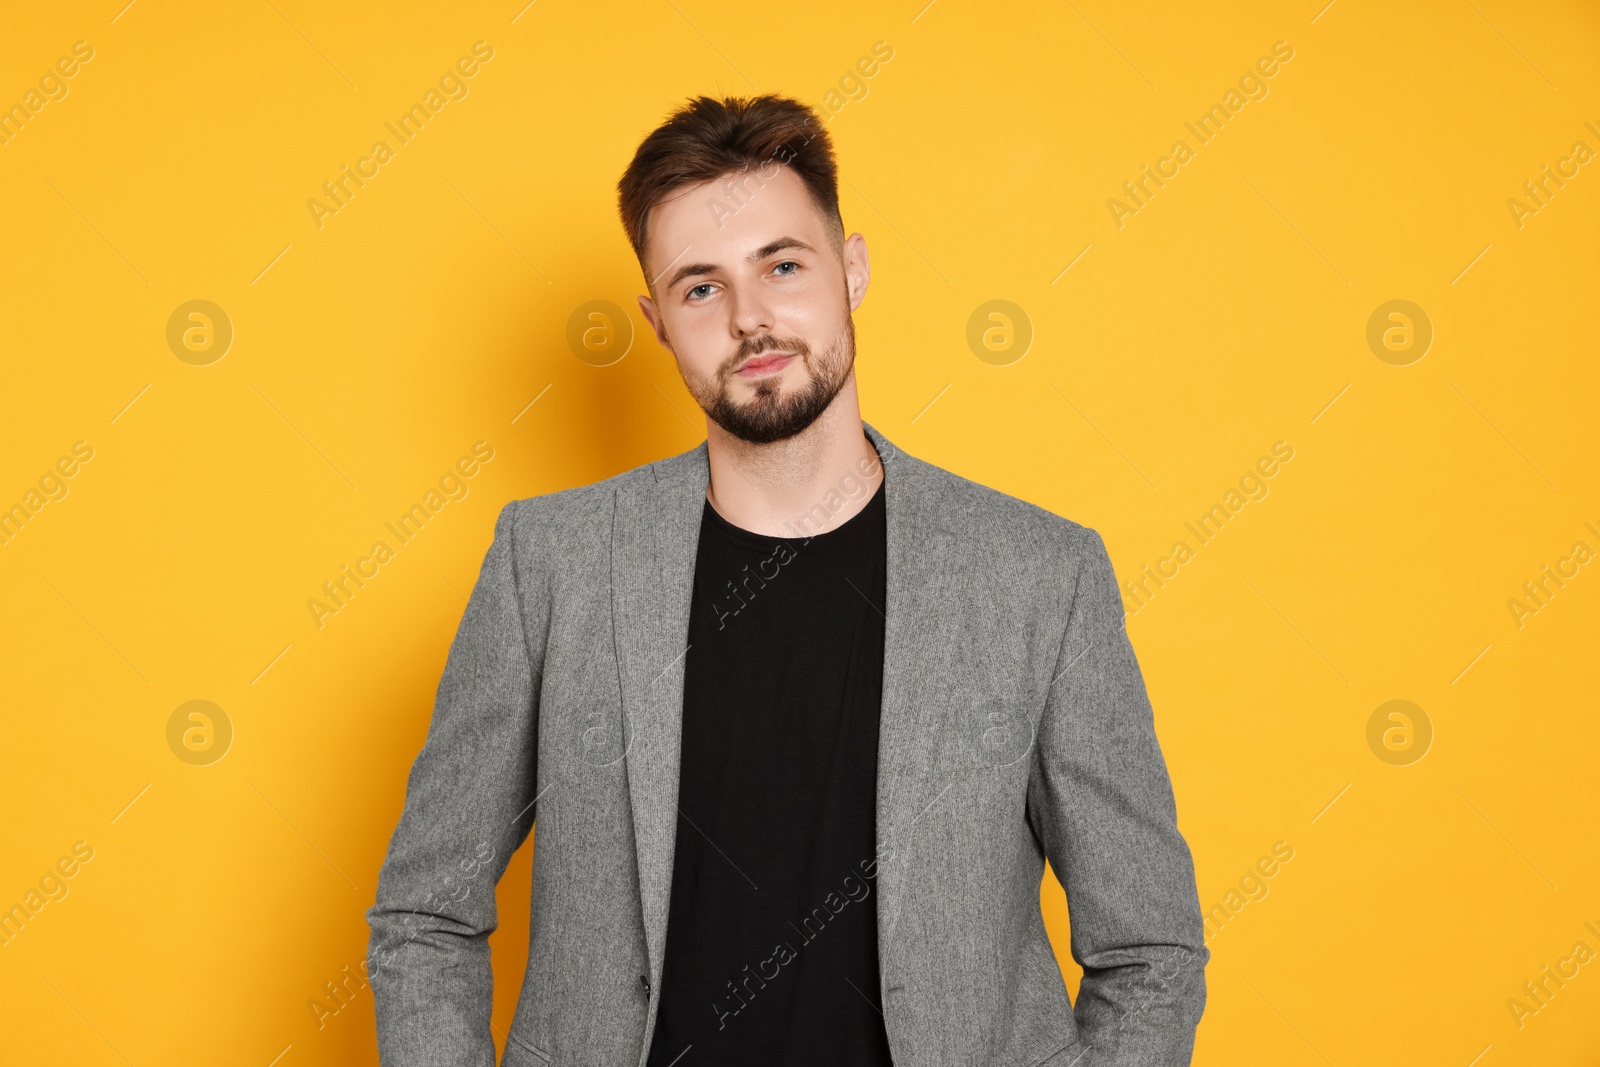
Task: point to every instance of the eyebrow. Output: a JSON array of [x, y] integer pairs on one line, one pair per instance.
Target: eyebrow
[[692, 270]]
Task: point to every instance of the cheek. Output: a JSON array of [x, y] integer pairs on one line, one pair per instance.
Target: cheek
[[700, 340], [815, 314]]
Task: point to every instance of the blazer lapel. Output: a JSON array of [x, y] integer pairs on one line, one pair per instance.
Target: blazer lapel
[[917, 560], [654, 537], [654, 540]]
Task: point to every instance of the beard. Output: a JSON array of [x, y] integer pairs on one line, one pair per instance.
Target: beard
[[771, 414]]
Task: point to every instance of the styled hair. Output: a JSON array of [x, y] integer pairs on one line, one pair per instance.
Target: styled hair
[[708, 138]]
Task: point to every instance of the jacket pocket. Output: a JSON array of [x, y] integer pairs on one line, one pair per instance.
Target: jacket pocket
[[521, 1054], [1065, 1056]]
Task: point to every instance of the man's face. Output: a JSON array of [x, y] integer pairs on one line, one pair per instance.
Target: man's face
[[753, 299]]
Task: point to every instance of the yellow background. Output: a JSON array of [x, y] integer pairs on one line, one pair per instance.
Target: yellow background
[[431, 311]]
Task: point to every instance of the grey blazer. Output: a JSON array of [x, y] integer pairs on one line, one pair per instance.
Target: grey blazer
[[1015, 727]]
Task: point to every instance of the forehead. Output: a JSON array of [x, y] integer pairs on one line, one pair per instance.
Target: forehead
[[730, 216]]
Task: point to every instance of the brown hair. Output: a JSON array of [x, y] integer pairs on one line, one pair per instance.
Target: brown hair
[[708, 138]]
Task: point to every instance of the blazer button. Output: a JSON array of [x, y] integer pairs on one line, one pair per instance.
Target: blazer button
[[645, 981]]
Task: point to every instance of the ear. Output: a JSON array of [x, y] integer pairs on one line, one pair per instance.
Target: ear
[[653, 317], [857, 273]]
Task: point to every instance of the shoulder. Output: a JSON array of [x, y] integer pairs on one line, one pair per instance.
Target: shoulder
[[1011, 551], [566, 514], [992, 521]]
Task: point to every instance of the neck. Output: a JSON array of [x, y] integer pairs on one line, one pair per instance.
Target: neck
[[808, 484]]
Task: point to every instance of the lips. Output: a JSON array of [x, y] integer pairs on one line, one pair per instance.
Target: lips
[[764, 364]]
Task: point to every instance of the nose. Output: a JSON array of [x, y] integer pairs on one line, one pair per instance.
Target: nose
[[751, 316]]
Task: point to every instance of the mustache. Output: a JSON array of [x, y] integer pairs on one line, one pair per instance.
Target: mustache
[[768, 343]]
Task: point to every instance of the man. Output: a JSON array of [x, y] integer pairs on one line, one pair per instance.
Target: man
[[801, 716]]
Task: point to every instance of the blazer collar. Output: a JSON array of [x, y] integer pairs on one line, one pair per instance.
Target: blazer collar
[[655, 536]]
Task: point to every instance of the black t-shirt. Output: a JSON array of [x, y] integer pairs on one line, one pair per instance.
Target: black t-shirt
[[772, 944]]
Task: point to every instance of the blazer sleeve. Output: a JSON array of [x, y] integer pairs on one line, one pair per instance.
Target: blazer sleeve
[[468, 807], [1102, 805]]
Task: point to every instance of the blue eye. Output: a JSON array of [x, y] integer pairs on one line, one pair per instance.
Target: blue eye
[[697, 288], [787, 263]]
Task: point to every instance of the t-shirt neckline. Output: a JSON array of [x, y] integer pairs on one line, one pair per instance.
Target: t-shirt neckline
[[841, 534]]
